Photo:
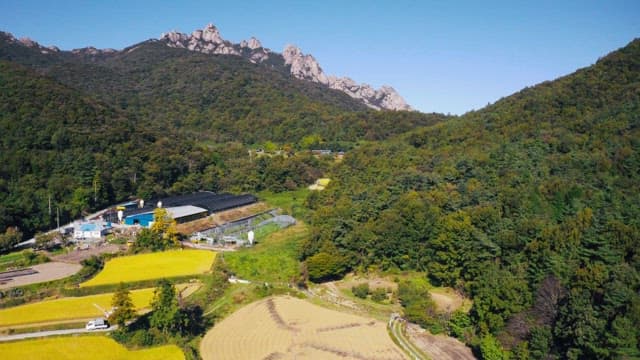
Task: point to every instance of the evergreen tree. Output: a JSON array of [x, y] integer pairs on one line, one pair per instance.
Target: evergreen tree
[[164, 307]]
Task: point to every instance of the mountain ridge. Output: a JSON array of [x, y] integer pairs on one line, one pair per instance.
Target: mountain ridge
[[291, 60], [300, 65]]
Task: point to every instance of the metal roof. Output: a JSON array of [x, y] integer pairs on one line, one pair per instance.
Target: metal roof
[[182, 211], [203, 199]]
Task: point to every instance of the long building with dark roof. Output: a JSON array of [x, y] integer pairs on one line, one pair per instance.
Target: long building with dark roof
[[205, 202]]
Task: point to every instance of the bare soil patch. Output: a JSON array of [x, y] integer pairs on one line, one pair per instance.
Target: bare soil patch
[[290, 328], [241, 212], [447, 300], [45, 272], [222, 217], [439, 347], [76, 256], [374, 283]]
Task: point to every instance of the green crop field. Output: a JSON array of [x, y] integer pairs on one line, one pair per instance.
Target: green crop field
[[151, 266], [83, 347], [70, 308]]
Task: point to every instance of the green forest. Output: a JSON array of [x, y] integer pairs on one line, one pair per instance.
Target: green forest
[[83, 133], [529, 206]]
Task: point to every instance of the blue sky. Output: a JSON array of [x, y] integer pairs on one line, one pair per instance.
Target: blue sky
[[442, 56]]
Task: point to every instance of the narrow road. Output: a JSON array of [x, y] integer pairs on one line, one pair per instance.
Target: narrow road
[[396, 326], [53, 333]]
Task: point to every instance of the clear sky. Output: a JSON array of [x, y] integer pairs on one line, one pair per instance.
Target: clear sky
[[444, 56]]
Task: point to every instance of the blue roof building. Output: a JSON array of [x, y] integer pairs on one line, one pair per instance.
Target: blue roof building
[[142, 219]]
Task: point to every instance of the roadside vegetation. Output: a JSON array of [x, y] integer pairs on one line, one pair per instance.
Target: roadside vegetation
[[21, 259]]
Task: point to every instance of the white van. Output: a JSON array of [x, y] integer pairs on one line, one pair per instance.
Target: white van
[[99, 323]]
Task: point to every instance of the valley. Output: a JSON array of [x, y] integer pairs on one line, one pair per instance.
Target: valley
[[377, 232]]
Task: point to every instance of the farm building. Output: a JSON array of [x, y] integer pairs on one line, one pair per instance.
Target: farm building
[[180, 214], [91, 230], [183, 208], [183, 214], [142, 219]]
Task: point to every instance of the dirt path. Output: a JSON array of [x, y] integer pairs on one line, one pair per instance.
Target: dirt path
[[45, 272], [396, 327]]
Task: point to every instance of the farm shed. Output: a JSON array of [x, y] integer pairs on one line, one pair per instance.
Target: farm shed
[[142, 219], [91, 230], [182, 214]]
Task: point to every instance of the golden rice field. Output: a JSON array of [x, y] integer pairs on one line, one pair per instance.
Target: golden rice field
[[290, 328], [151, 266], [70, 308], [83, 347]]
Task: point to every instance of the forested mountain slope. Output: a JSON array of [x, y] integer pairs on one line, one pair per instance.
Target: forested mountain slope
[[84, 129], [212, 97], [531, 206], [50, 135]]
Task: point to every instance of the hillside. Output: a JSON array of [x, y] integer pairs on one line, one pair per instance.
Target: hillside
[[54, 141], [87, 128], [530, 206], [211, 97]]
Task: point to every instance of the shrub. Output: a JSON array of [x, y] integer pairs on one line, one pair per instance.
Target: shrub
[[379, 295], [361, 290]]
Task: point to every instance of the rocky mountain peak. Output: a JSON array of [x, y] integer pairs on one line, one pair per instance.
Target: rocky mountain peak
[[300, 65], [252, 44], [303, 66], [90, 50], [207, 40], [307, 68], [27, 42]]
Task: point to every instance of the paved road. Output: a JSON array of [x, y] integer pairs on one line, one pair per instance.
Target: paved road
[[53, 333], [396, 325]]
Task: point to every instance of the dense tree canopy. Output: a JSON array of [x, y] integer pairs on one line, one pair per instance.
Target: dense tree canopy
[[78, 132], [530, 206]]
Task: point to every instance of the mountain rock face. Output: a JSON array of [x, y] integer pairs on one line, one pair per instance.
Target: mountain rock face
[[301, 66], [292, 60], [306, 67], [206, 41]]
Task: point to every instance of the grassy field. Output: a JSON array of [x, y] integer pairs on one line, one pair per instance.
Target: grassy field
[[291, 202], [273, 259], [153, 266], [289, 328], [69, 308], [83, 347]]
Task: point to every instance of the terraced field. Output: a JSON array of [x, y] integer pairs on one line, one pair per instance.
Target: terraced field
[[83, 347], [290, 328], [74, 307], [151, 266]]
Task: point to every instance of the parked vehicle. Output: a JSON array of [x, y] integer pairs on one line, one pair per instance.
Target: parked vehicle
[[96, 324]]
